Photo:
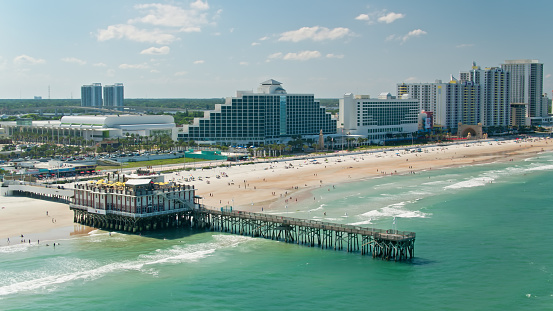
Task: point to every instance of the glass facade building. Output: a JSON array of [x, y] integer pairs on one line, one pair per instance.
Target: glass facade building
[[114, 96], [268, 116], [91, 95]]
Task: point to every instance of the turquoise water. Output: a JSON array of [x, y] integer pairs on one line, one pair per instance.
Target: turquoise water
[[483, 243]]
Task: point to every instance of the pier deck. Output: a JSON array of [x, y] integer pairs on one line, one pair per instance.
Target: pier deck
[[385, 244]]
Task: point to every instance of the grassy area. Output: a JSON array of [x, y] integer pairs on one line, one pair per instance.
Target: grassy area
[[150, 163]]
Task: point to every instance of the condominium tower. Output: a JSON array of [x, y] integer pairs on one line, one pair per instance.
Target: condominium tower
[[526, 85], [91, 95], [269, 116], [479, 96], [114, 96]]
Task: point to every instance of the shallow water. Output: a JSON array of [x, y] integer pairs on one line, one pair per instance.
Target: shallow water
[[483, 243]]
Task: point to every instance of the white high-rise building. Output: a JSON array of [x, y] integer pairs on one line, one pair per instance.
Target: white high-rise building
[[494, 92], [378, 119], [91, 95], [479, 96], [526, 85]]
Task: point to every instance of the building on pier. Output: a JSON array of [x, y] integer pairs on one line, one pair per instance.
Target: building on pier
[[132, 204]]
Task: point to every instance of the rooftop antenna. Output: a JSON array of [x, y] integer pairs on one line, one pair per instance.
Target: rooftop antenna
[[48, 92]]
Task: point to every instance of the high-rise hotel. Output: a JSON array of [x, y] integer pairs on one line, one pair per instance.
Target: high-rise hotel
[[526, 85], [269, 116]]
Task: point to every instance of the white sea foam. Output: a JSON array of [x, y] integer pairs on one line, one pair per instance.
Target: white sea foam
[[90, 270], [393, 210], [473, 182], [320, 208], [540, 168], [15, 248]]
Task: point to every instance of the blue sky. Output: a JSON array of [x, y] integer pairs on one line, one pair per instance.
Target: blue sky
[[206, 49]]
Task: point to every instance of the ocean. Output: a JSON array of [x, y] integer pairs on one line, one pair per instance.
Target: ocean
[[483, 243]]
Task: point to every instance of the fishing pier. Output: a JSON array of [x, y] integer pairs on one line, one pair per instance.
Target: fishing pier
[[145, 203], [385, 244]]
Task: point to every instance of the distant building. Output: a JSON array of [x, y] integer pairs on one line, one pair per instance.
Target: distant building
[[378, 119], [114, 96], [96, 128], [526, 85], [38, 97], [91, 95], [269, 116]]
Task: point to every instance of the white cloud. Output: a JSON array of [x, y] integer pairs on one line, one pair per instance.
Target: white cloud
[[110, 73], [156, 51], [275, 55], [134, 34], [464, 45], [166, 15], [315, 33], [410, 34], [180, 73], [197, 62], [255, 43], [199, 5], [263, 38], [548, 76], [244, 63], [390, 17], [74, 60], [99, 65], [170, 20], [134, 66], [27, 60], [154, 71], [411, 79], [382, 16], [302, 56], [334, 56]]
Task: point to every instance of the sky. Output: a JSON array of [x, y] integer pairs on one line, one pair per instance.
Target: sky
[[211, 49]]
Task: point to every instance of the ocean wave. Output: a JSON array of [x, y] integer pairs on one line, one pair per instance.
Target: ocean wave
[[394, 210], [539, 168], [474, 182], [15, 248], [90, 270]]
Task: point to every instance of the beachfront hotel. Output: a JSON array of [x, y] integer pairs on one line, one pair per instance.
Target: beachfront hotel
[[526, 84], [479, 96], [269, 116], [378, 119]]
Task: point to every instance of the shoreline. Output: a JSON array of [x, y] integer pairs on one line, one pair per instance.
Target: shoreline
[[264, 187], [268, 183]]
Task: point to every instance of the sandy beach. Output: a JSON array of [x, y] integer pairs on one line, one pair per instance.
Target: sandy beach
[[265, 186], [273, 185]]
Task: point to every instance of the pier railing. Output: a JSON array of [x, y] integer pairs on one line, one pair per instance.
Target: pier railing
[[381, 233]]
